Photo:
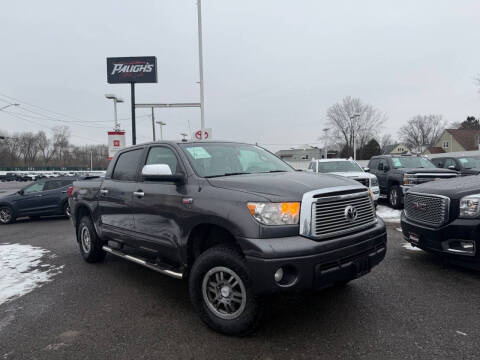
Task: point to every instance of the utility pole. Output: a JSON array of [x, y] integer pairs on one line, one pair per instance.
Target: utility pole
[[91, 160], [353, 117], [153, 125], [161, 123], [200, 66]]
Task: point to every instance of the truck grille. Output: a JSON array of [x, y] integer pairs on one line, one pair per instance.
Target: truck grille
[[427, 209], [342, 214], [423, 178]]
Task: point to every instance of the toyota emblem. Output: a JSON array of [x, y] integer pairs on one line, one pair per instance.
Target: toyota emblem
[[350, 213]]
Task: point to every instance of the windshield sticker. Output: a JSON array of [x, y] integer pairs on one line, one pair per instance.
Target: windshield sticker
[[199, 152], [396, 162]]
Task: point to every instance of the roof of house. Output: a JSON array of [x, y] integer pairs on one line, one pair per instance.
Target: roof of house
[[467, 138], [389, 148], [435, 150]]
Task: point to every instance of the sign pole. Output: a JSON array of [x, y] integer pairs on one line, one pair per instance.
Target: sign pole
[[153, 125], [134, 133], [200, 66]]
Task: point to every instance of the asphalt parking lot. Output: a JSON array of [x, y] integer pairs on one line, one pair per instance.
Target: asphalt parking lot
[[411, 306]]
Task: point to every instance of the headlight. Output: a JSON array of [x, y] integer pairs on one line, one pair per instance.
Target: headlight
[[275, 213], [373, 181], [409, 179], [469, 206]]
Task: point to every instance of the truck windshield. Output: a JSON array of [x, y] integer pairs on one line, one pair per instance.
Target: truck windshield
[[411, 162], [225, 159], [338, 166], [470, 162]]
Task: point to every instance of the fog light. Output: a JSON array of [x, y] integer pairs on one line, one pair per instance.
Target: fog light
[[278, 275], [467, 245]]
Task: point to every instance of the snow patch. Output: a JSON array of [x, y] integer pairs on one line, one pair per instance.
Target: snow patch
[[22, 270], [409, 246], [388, 215]]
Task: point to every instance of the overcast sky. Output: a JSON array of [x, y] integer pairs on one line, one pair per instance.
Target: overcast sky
[[272, 67]]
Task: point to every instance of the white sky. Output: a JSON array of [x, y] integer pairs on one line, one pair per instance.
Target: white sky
[[272, 67]]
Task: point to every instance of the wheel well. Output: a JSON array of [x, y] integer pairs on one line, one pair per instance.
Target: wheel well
[[81, 211], [206, 236]]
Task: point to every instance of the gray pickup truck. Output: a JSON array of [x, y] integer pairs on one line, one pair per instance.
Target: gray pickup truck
[[232, 218]]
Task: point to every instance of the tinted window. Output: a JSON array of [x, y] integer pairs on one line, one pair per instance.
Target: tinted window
[[450, 162], [338, 166], [162, 155], [35, 187], [382, 164], [373, 164], [56, 184], [126, 166], [438, 162]]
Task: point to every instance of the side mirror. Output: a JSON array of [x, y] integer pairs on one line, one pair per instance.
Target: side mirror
[[161, 172], [366, 169]]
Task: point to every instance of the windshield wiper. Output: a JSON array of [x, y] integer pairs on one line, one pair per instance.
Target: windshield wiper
[[273, 171], [228, 174]]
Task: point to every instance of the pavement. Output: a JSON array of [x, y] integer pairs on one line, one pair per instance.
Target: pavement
[[411, 306]]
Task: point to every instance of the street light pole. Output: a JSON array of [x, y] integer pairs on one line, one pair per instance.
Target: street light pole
[[353, 117], [325, 150], [200, 66], [153, 125], [115, 101], [161, 123]]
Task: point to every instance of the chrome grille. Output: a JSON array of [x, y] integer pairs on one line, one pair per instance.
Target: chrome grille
[[426, 209], [329, 216]]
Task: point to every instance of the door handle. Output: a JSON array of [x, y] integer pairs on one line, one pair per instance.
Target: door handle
[[64, 192], [38, 195], [104, 191], [139, 193]]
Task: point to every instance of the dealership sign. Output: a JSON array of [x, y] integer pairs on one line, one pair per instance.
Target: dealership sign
[[132, 70], [116, 141], [207, 134]]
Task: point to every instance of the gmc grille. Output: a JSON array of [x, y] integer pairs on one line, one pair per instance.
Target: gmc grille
[[431, 210], [330, 215]]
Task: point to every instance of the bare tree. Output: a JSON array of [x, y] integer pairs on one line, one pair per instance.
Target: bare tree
[[385, 140], [340, 117], [46, 150], [28, 147], [422, 130]]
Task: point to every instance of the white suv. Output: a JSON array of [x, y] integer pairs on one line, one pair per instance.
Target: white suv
[[347, 168]]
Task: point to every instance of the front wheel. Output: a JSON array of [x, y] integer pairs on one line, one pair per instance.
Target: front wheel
[[89, 242], [7, 215], [394, 197], [221, 292]]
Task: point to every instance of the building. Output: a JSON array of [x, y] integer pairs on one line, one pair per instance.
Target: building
[[456, 140], [307, 153], [396, 149]]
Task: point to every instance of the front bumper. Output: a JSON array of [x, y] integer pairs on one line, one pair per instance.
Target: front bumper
[[313, 264], [445, 241]]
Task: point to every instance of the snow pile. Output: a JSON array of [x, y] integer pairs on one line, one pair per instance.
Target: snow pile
[[409, 246], [22, 270], [388, 215]]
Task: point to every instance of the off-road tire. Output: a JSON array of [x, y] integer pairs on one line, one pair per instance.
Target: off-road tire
[[221, 257]]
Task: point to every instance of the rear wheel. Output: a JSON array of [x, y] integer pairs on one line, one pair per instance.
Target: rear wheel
[[394, 197], [221, 292], [89, 242], [66, 209], [7, 215]]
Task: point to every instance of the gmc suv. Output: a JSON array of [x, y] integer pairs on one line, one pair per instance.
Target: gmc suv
[[234, 219]]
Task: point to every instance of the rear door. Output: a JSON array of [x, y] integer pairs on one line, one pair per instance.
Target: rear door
[[382, 174], [116, 196], [158, 208]]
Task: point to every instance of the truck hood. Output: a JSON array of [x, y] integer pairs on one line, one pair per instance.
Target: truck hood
[[453, 188], [287, 186], [351, 174], [428, 171]]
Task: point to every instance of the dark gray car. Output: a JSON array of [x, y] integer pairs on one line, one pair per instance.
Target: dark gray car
[[41, 198]]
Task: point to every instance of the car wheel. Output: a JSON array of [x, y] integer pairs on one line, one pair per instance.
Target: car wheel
[[221, 292], [89, 242], [7, 215], [66, 210], [394, 197]]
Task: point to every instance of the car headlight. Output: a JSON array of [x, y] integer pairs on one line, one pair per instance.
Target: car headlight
[[373, 181], [275, 213], [470, 206]]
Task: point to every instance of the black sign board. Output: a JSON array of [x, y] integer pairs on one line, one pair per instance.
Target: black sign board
[[132, 70]]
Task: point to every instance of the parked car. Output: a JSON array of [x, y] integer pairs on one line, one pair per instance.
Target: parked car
[[347, 168], [398, 173], [234, 219], [466, 165], [40, 198], [444, 218]]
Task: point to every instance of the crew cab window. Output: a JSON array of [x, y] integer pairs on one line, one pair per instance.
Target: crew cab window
[[33, 188], [382, 164], [449, 162], [162, 155], [373, 164], [126, 166]]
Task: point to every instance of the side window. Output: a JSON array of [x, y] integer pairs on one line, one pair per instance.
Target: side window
[[438, 162], [449, 162], [35, 187], [373, 164], [162, 155], [51, 184], [382, 164], [126, 166]]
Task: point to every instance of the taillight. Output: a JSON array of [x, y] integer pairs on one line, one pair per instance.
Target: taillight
[[70, 190]]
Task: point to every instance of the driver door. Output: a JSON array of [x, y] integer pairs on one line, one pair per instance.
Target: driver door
[[382, 169], [30, 199]]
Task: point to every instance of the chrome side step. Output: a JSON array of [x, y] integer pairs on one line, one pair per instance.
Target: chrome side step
[[171, 273]]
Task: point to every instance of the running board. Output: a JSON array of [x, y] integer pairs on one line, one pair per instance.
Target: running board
[[171, 273]]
